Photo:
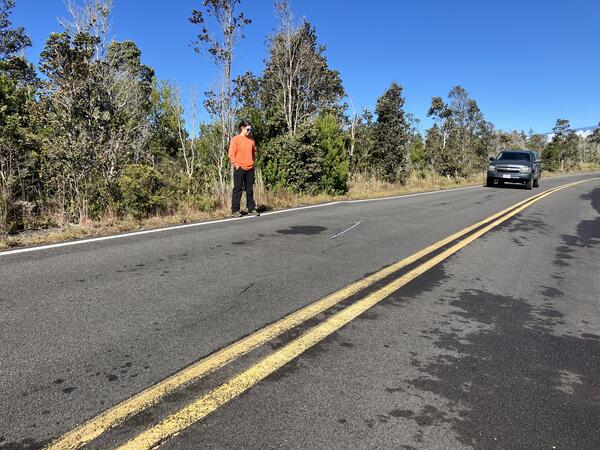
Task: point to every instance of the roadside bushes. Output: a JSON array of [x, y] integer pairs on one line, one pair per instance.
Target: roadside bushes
[[312, 161], [334, 178], [19, 215], [140, 192], [144, 191], [292, 163]]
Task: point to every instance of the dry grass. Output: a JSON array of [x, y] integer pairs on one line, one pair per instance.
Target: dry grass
[[579, 168], [106, 226], [363, 187], [360, 187]]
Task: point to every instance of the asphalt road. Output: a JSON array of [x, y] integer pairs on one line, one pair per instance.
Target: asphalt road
[[497, 346]]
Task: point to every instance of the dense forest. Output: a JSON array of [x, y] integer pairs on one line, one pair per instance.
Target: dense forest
[[89, 132]]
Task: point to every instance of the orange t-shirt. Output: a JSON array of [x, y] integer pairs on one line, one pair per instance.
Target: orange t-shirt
[[242, 152]]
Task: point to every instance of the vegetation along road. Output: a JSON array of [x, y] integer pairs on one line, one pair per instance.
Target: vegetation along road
[[455, 319]]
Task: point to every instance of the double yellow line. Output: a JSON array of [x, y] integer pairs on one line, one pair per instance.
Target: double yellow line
[[203, 406]]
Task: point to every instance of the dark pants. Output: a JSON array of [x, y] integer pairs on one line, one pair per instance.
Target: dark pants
[[243, 178]]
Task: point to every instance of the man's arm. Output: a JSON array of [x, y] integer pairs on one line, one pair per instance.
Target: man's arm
[[232, 152]]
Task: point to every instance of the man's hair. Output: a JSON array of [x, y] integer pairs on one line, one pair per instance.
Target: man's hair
[[244, 123]]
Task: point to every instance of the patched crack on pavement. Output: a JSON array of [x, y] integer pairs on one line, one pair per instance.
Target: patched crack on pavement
[[517, 384], [246, 288]]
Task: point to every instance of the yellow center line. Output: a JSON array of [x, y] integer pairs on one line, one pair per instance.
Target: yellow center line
[[115, 415], [240, 383]]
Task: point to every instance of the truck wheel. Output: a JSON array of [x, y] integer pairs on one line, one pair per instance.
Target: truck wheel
[[529, 184], [489, 182], [536, 182]]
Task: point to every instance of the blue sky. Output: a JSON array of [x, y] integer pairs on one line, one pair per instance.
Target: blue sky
[[526, 62]]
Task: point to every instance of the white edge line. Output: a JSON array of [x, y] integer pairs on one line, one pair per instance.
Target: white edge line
[[199, 224]]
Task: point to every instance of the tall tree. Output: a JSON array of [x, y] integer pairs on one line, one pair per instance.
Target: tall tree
[[17, 84], [434, 148], [187, 139], [164, 122], [468, 124], [12, 40], [363, 128], [72, 118], [15, 144], [594, 145], [536, 141], [595, 137], [298, 83], [92, 17], [354, 122], [247, 95], [126, 85], [417, 147], [462, 145], [98, 103], [392, 136], [221, 47], [513, 139], [561, 152]]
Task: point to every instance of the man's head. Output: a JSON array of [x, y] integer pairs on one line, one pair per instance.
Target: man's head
[[245, 128]]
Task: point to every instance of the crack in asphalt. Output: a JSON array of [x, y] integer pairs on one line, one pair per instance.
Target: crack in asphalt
[[247, 287]]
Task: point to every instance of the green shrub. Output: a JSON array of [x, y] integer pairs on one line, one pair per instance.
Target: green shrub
[[312, 161], [143, 190], [204, 203], [18, 215], [334, 176], [103, 196], [292, 162]]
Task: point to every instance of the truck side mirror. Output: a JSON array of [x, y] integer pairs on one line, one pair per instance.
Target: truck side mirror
[[492, 158]]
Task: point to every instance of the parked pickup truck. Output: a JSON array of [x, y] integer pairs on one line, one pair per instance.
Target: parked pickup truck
[[515, 166]]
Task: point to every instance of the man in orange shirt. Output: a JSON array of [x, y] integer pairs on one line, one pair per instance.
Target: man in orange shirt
[[242, 154]]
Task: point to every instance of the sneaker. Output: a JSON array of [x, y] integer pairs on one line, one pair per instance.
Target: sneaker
[[254, 212], [237, 214]]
